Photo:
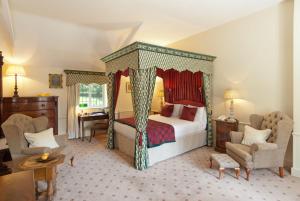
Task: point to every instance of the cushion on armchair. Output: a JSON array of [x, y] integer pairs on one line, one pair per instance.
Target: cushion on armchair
[[42, 139], [243, 151], [252, 135], [40, 123], [236, 137]]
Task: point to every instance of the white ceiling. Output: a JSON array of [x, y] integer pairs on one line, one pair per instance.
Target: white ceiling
[[154, 21]]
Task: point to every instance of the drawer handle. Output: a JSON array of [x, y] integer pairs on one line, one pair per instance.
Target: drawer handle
[[43, 105]]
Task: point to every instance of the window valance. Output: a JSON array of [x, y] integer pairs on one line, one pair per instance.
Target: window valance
[[85, 77]]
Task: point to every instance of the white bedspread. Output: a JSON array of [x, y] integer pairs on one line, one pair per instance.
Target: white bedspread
[[189, 135], [181, 127]]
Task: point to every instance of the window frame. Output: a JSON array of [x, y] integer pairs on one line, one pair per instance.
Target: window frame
[[89, 102]]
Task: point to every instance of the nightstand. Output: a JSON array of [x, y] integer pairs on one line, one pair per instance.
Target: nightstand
[[223, 129]]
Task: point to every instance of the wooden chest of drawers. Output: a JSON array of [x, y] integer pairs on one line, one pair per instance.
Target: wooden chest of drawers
[[223, 129], [33, 107]]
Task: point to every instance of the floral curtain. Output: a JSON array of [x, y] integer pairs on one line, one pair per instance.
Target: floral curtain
[[111, 110], [142, 83], [208, 102]]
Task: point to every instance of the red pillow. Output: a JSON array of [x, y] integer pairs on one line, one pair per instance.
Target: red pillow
[[167, 110], [188, 113]]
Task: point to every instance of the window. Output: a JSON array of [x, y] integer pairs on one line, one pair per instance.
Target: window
[[93, 95]]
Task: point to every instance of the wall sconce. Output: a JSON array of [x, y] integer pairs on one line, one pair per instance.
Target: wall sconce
[[231, 95], [15, 70]]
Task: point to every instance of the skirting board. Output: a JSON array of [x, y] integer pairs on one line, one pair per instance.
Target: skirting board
[[295, 172]]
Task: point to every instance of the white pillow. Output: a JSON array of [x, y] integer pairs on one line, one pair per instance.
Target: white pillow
[[252, 135], [177, 109], [42, 139]]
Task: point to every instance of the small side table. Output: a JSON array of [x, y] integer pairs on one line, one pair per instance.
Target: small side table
[[223, 129], [44, 171]]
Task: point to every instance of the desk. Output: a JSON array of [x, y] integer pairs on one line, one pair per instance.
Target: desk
[[89, 117], [17, 186]]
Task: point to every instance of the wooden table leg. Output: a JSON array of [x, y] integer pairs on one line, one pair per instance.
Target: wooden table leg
[[82, 130], [79, 128], [281, 172], [221, 173], [37, 190], [237, 172], [247, 173], [50, 190]]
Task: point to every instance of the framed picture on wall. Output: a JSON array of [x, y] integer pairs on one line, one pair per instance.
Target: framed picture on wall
[[128, 87], [55, 81]]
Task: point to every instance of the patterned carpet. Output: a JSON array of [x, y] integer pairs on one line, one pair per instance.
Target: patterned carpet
[[101, 174]]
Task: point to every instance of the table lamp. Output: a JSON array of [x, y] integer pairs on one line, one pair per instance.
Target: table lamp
[[15, 70], [231, 95], [161, 96]]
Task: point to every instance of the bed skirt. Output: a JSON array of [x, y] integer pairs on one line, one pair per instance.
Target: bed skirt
[[183, 144]]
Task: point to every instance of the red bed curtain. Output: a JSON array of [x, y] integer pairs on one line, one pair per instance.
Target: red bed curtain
[[118, 75], [183, 85], [178, 86]]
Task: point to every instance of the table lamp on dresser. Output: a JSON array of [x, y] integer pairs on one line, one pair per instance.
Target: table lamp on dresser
[[231, 95], [15, 70]]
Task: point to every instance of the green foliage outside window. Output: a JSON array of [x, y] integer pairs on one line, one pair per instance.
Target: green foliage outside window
[[93, 95]]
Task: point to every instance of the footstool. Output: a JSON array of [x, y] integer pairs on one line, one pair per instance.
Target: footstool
[[225, 161]]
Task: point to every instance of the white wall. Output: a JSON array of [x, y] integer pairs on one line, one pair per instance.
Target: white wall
[[296, 134], [44, 46], [124, 104], [254, 56]]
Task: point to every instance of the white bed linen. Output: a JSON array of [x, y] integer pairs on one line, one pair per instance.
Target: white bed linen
[[181, 127], [189, 135]]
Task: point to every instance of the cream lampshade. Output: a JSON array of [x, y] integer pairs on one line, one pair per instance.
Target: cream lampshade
[[15, 70], [231, 95]]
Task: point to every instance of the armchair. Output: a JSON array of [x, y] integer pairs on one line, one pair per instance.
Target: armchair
[[266, 155], [15, 127]]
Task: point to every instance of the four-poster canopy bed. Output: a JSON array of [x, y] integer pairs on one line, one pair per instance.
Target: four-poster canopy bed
[[143, 62]]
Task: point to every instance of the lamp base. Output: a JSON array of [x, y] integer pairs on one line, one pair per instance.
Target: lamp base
[[231, 119], [16, 95]]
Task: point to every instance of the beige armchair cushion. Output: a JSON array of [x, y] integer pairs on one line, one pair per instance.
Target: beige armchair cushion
[[263, 146], [252, 135], [270, 121], [243, 151], [40, 123], [35, 150], [236, 137]]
